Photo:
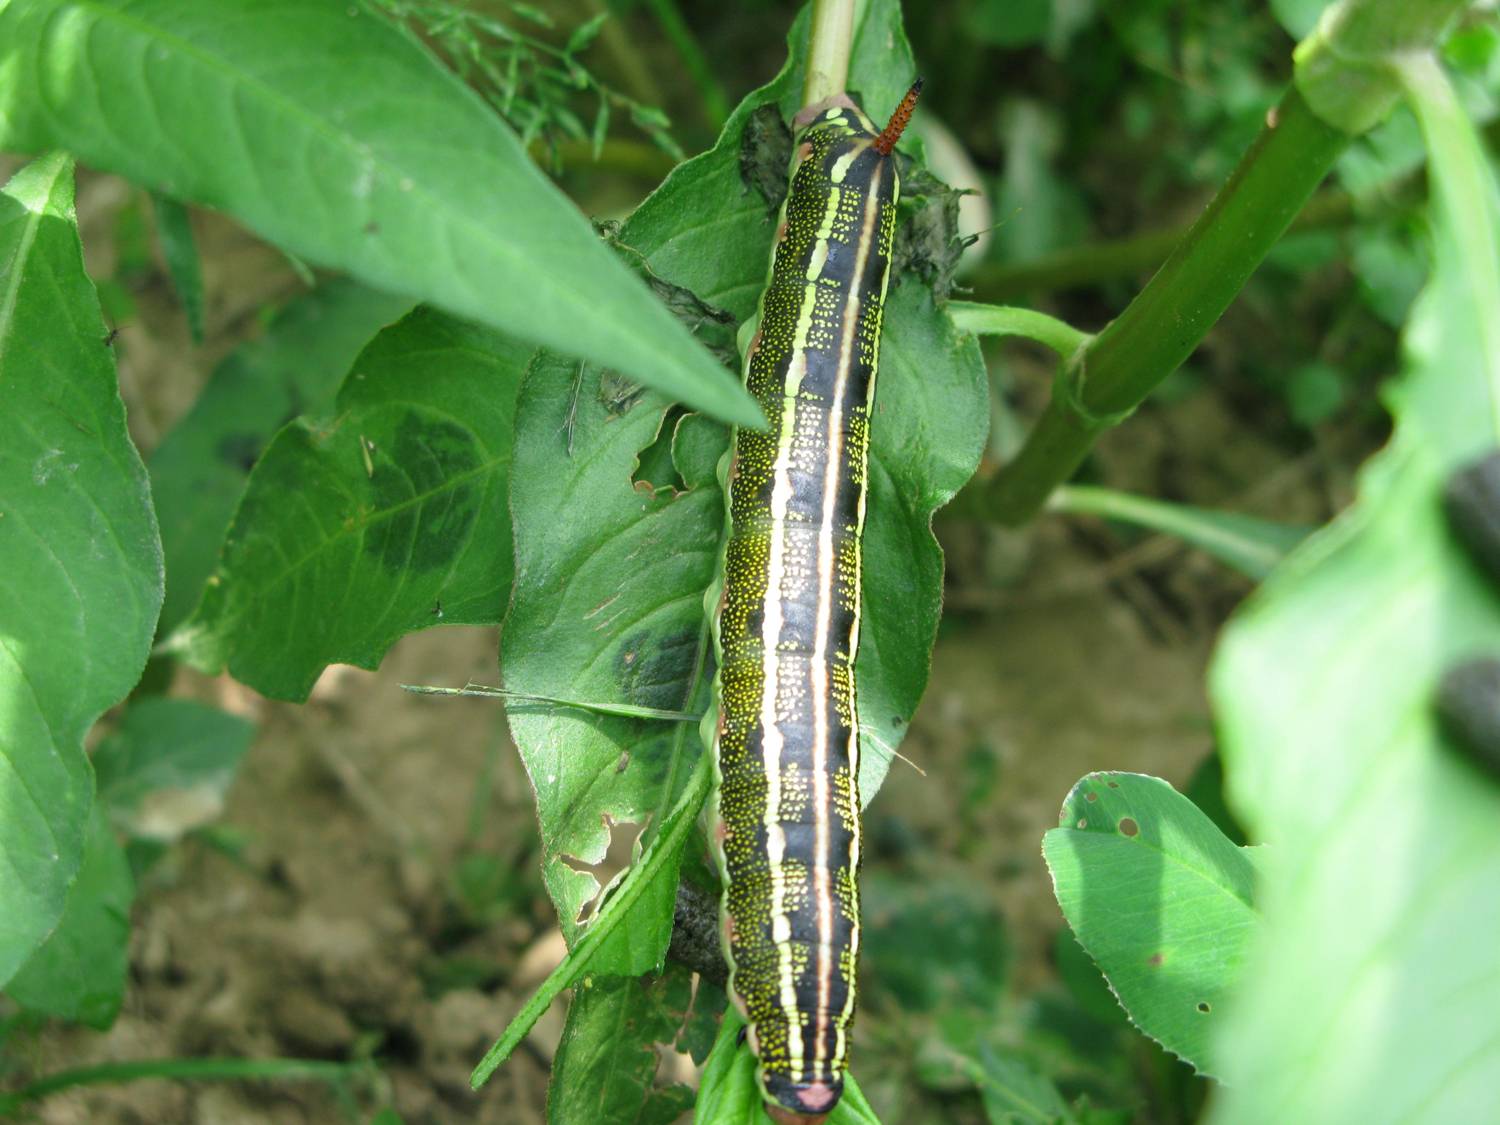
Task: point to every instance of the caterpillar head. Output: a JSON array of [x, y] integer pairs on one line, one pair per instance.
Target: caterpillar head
[[800, 1103]]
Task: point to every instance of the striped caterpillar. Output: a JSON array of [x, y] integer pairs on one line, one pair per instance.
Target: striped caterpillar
[[784, 726]]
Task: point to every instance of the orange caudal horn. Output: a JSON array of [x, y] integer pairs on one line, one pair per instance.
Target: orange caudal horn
[[897, 125]]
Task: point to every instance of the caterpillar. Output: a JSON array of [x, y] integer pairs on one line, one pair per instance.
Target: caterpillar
[[784, 727]]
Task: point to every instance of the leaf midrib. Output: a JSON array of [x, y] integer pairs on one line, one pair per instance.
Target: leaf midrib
[[1140, 842], [318, 125], [18, 261]]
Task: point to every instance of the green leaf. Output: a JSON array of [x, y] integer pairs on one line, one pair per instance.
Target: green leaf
[[384, 165], [1371, 995], [608, 946], [728, 1093], [174, 231], [609, 602], [1160, 899], [1252, 546], [79, 972], [935, 944], [78, 549], [1014, 1092], [386, 517], [199, 470], [605, 1068], [166, 767]]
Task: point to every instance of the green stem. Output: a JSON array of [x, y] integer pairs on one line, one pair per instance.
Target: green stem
[[680, 35], [828, 50], [1005, 320], [1252, 546], [191, 1069], [1349, 66], [1166, 322]]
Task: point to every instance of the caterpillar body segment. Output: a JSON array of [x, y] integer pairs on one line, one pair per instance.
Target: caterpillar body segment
[[784, 724]]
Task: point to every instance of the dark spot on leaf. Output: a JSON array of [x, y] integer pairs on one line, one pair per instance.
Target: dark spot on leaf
[[1128, 827], [617, 394], [1156, 959], [656, 670], [422, 506], [1203, 1007], [623, 763], [1091, 796], [1083, 822], [1114, 784], [765, 153], [239, 450]]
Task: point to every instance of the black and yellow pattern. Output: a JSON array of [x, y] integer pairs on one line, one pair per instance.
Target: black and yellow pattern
[[786, 732]]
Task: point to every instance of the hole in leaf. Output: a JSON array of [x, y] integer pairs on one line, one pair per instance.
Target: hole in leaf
[[607, 871], [655, 471], [1128, 827], [1204, 1007]]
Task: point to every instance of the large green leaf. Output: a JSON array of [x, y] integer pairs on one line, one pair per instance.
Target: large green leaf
[[79, 972], [79, 551], [335, 135], [1160, 898], [605, 1068], [166, 767], [199, 470], [1371, 997], [628, 624], [386, 517]]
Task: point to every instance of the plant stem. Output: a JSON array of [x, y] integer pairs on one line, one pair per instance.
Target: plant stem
[[828, 50], [1165, 323], [715, 102], [198, 1069], [1006, 320], [1350, 67]]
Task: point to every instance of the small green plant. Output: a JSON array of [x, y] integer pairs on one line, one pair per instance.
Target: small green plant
[[497, 415]]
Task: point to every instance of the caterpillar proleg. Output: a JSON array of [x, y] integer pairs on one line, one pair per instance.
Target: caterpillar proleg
[[785, 730]]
